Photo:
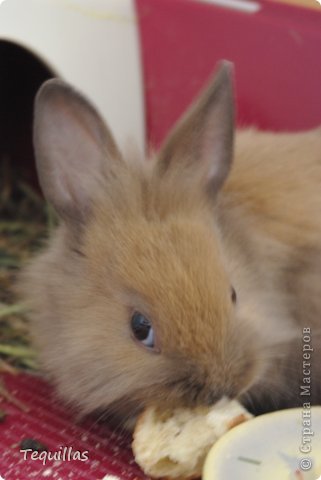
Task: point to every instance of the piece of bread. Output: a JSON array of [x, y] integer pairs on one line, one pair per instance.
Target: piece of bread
[[174, 444]]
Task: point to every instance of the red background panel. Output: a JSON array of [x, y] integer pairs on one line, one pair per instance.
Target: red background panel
[[276, 52]]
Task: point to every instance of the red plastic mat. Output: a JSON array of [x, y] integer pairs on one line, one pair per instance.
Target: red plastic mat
[[49, 422]]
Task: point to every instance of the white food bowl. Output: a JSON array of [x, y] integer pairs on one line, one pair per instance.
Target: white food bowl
[[275, 446]]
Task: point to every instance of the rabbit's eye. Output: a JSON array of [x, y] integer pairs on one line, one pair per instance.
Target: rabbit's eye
[[233, 295], [142, 330]]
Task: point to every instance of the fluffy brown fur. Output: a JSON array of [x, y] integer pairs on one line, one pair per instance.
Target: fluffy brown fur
[[169, 238]]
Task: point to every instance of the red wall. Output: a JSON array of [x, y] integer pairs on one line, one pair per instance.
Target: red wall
[[276, 51]]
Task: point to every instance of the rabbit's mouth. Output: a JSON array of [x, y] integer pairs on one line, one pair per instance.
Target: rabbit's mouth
[[121, 414], [180, 392]]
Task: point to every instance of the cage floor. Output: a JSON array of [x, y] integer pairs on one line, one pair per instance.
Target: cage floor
[[50, 423]]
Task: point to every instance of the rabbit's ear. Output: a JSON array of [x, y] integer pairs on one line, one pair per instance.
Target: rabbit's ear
[[201, 144], [72, 146]]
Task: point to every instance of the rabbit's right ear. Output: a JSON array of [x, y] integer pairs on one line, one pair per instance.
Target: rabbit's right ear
[[73, 149], [200, 146]]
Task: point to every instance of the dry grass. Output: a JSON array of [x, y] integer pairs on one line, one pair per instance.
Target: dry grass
[[24, 223]]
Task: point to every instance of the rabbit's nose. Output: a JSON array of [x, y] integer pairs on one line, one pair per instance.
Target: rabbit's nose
[[213, 397]]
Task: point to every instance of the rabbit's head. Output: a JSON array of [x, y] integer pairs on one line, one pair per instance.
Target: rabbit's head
[[132, 302]]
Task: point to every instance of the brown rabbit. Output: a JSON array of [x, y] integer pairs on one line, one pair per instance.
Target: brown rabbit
[[180, 279]]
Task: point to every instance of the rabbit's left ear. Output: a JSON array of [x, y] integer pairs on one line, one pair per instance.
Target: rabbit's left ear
[[201, 144], [74, 149]]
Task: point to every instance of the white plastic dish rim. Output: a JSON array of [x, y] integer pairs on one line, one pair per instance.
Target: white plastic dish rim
[[214, 467]]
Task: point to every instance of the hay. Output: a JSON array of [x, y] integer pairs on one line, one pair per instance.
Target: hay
[[24, 221]]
